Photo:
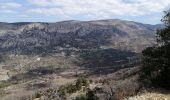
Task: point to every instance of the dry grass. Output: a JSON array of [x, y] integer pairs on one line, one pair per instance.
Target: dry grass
[[150, 96]]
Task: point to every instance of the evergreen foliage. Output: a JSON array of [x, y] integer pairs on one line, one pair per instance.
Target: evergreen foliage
[[156, 60]]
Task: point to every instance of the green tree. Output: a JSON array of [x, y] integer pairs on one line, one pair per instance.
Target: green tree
[[81, 81], [156, 60], [91, 95]]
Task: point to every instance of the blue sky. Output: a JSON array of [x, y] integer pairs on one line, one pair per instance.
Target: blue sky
[[145, 11]]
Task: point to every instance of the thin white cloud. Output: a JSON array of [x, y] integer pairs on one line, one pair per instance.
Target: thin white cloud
[[23, 16], [7, 11], [10, 5], [98, 8]]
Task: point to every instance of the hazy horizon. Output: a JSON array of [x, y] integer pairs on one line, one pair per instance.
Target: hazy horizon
[[83, 21], [143, 11]]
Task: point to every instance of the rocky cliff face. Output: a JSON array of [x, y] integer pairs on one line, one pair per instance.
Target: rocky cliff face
[[48, 37]]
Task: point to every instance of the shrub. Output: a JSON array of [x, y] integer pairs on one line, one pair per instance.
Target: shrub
[[71, 88], [91, 95], [62, 91], [3, 85], [81, 81], [37, 95], [81, 97]]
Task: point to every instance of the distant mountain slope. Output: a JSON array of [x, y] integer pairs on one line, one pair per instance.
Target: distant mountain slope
[[47, 37]]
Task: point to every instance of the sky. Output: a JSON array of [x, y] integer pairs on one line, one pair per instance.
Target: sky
[[144, 11]]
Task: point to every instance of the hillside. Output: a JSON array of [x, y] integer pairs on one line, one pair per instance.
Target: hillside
[[49, 37]]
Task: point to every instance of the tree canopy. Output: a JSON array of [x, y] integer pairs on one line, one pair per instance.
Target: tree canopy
[[156, 60]]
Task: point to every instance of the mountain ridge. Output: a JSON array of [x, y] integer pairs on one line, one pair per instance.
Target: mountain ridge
[[27, 22], [117, 34]]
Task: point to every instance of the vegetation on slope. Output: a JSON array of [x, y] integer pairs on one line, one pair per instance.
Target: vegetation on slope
[[156, 60]]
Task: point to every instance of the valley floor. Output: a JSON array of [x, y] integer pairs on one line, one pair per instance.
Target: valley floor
[[35, 77]]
